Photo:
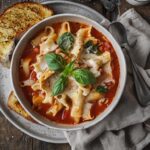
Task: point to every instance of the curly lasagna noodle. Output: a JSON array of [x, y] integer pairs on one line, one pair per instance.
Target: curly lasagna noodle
[[69, 72]]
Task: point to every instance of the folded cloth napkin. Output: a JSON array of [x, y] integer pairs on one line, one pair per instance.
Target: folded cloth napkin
[[123, 129]]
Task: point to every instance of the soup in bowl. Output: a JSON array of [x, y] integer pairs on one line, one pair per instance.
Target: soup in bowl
[[68, 72]]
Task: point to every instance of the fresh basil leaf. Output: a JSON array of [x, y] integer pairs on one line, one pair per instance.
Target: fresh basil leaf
[[66, 41], [68, 68], [91, 48], [88, 44], [55, 62], [102, 89], [59, 85], [84, 76]]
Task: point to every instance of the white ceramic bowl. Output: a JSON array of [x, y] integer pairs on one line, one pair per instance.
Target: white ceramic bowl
[[15, 73]]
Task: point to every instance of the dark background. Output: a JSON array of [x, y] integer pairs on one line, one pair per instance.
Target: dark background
[[13, 139]]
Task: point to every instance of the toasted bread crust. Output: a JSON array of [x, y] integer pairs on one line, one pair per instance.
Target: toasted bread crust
[[26, 3], [14, 21], [14, 105]]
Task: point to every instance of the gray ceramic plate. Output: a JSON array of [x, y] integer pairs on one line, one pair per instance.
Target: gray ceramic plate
[[35, 130]]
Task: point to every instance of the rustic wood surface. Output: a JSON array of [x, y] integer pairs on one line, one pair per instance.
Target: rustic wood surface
[[13, 139]]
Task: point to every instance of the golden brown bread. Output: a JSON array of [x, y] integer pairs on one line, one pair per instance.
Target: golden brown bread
[[16, 20], [15, 106]]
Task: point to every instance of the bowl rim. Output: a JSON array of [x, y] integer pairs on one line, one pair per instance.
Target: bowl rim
[[107, 111]]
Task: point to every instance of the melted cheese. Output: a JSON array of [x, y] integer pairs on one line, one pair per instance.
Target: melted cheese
[[94, 67], [95, 62]]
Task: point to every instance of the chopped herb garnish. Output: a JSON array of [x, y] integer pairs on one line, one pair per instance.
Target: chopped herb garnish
[[66, 41], [102, 89], [90, 47]]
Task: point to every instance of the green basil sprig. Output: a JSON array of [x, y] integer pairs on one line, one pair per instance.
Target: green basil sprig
[[66, 41], [55, 62], [59, 85], [84, 76], [102, 89], [91, 48], [68, 68]]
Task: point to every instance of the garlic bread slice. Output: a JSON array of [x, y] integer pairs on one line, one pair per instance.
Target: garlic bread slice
[[16, 20], [14, 105]]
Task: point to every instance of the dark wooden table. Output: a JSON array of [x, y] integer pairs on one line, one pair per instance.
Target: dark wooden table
[[13, 139]]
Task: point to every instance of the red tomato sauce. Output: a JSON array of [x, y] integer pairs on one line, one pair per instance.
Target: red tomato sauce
[[63, 116]]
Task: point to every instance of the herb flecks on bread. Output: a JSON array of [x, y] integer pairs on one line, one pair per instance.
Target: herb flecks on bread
[[16, 20]]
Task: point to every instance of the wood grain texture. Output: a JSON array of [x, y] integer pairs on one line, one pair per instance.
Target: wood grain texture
[[13, 139]]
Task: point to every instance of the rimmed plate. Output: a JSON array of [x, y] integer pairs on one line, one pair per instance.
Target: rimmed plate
[[36, 130]]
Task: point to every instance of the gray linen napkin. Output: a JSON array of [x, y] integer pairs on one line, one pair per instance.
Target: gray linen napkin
[[123, 128]]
